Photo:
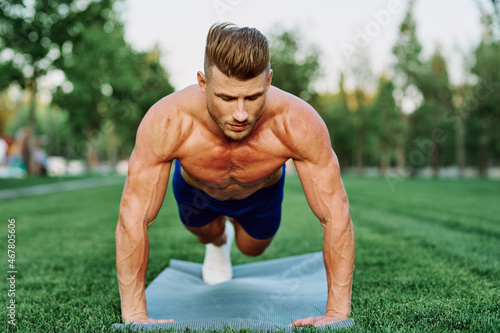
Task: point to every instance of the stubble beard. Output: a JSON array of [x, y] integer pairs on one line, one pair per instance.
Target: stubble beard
[[228, 133]]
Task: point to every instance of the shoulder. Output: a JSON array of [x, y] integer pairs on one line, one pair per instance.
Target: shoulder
[[168, 122], [298, 125], [294, 113]]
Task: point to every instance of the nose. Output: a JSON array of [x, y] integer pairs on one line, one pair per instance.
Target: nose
[[240, 114]]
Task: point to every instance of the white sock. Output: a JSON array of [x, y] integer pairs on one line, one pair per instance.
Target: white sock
[[217, 264]]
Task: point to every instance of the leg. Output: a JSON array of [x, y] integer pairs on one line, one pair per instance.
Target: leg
[[256, 228], [247, 244], [218, 236], [212, 232]]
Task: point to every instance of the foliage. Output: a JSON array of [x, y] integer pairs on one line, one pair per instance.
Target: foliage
[[34, 32], [407, 50], [485, 111], [388, 123], [295, 64], [428, 121], [338, 118], [424, 92], [412, 119], [9, 74], [109, 89]]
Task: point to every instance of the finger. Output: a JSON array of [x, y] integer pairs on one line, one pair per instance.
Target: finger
[[302, 322], [150, 321], [165, 321]]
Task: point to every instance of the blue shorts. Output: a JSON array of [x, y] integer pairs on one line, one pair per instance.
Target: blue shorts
[[259, 214]]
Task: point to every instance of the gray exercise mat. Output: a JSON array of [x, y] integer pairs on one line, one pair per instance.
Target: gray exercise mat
[[267, 295]]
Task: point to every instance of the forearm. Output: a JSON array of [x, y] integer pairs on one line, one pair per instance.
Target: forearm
[[338, 253], [132, 253]]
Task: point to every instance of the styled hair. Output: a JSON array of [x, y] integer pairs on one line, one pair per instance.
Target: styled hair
[[242, 53]]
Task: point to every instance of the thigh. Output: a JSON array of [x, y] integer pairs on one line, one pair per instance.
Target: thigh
[[262, 218], [247, 244]]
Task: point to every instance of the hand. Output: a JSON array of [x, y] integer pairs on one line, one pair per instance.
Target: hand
[[141, 319], [318, 321]]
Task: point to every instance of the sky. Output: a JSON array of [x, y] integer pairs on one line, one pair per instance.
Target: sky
[[341, 29]]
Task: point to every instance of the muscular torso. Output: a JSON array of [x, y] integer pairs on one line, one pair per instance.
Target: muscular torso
[[227, 180], [230, 169]]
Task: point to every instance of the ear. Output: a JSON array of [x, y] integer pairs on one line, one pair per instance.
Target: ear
[[202, 82], [269, 79]]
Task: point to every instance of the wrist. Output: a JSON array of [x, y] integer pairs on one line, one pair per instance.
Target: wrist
[[136, 315], [335, 313], [133, 308]]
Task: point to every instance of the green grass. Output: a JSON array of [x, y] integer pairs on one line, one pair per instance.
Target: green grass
[[427, 255], [15, 183]]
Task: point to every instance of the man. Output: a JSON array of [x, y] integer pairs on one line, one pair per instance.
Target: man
[[230, 136]]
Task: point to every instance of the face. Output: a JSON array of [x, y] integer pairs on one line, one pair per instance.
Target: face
[[235, 106]]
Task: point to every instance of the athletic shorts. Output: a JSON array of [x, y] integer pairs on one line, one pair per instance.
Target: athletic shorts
[[259, 214]]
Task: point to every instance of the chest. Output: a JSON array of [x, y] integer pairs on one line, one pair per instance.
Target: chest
[[220, 165]]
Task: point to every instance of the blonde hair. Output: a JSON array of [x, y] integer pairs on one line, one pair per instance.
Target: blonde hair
[[242, 53]]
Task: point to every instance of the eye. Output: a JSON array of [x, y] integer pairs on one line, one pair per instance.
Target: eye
[[251, 98], [227, 99]]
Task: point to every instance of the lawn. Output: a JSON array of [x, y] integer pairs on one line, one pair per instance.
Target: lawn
[[427, 255], [16, 183]]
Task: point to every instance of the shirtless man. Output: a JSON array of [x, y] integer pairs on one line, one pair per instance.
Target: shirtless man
[[230, 136]]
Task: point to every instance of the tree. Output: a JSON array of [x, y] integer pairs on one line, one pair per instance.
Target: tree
[[433, 135], [295, 65], [365, 134], [35, 31], [425, 93], [339, 120], [407, 50], [150, 84], [407, 72], [109, 88], [387, 120], [9, 74], [491, 10], [484, 122], [496, 8]]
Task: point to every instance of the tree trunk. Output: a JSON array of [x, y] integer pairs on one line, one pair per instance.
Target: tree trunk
[[30, 139], [483, 159], [359, 154], [434, 160], [384, 158], [460, 147], [400, 153], [113, 151], [92, 157]]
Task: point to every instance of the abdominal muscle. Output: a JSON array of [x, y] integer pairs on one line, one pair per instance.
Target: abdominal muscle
[[233, 189]]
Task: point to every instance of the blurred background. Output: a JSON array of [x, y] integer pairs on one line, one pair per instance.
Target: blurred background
[[406, 88]]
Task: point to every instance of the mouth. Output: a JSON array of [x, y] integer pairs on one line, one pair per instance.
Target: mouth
[[238, 128]]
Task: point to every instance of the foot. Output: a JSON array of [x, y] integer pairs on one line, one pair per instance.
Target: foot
[[217, 264]]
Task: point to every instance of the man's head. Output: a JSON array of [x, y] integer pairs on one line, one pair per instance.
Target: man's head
[[237, 78]]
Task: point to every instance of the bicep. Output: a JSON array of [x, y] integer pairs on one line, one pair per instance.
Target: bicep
[[148, 174], [319, 171], [149, 166]]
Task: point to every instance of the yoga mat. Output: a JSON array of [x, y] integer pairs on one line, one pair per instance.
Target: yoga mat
[[266, 295]]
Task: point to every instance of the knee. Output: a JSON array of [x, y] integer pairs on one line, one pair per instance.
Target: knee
[[206, 239], [252, 251], [208, 233], [211, 235]]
